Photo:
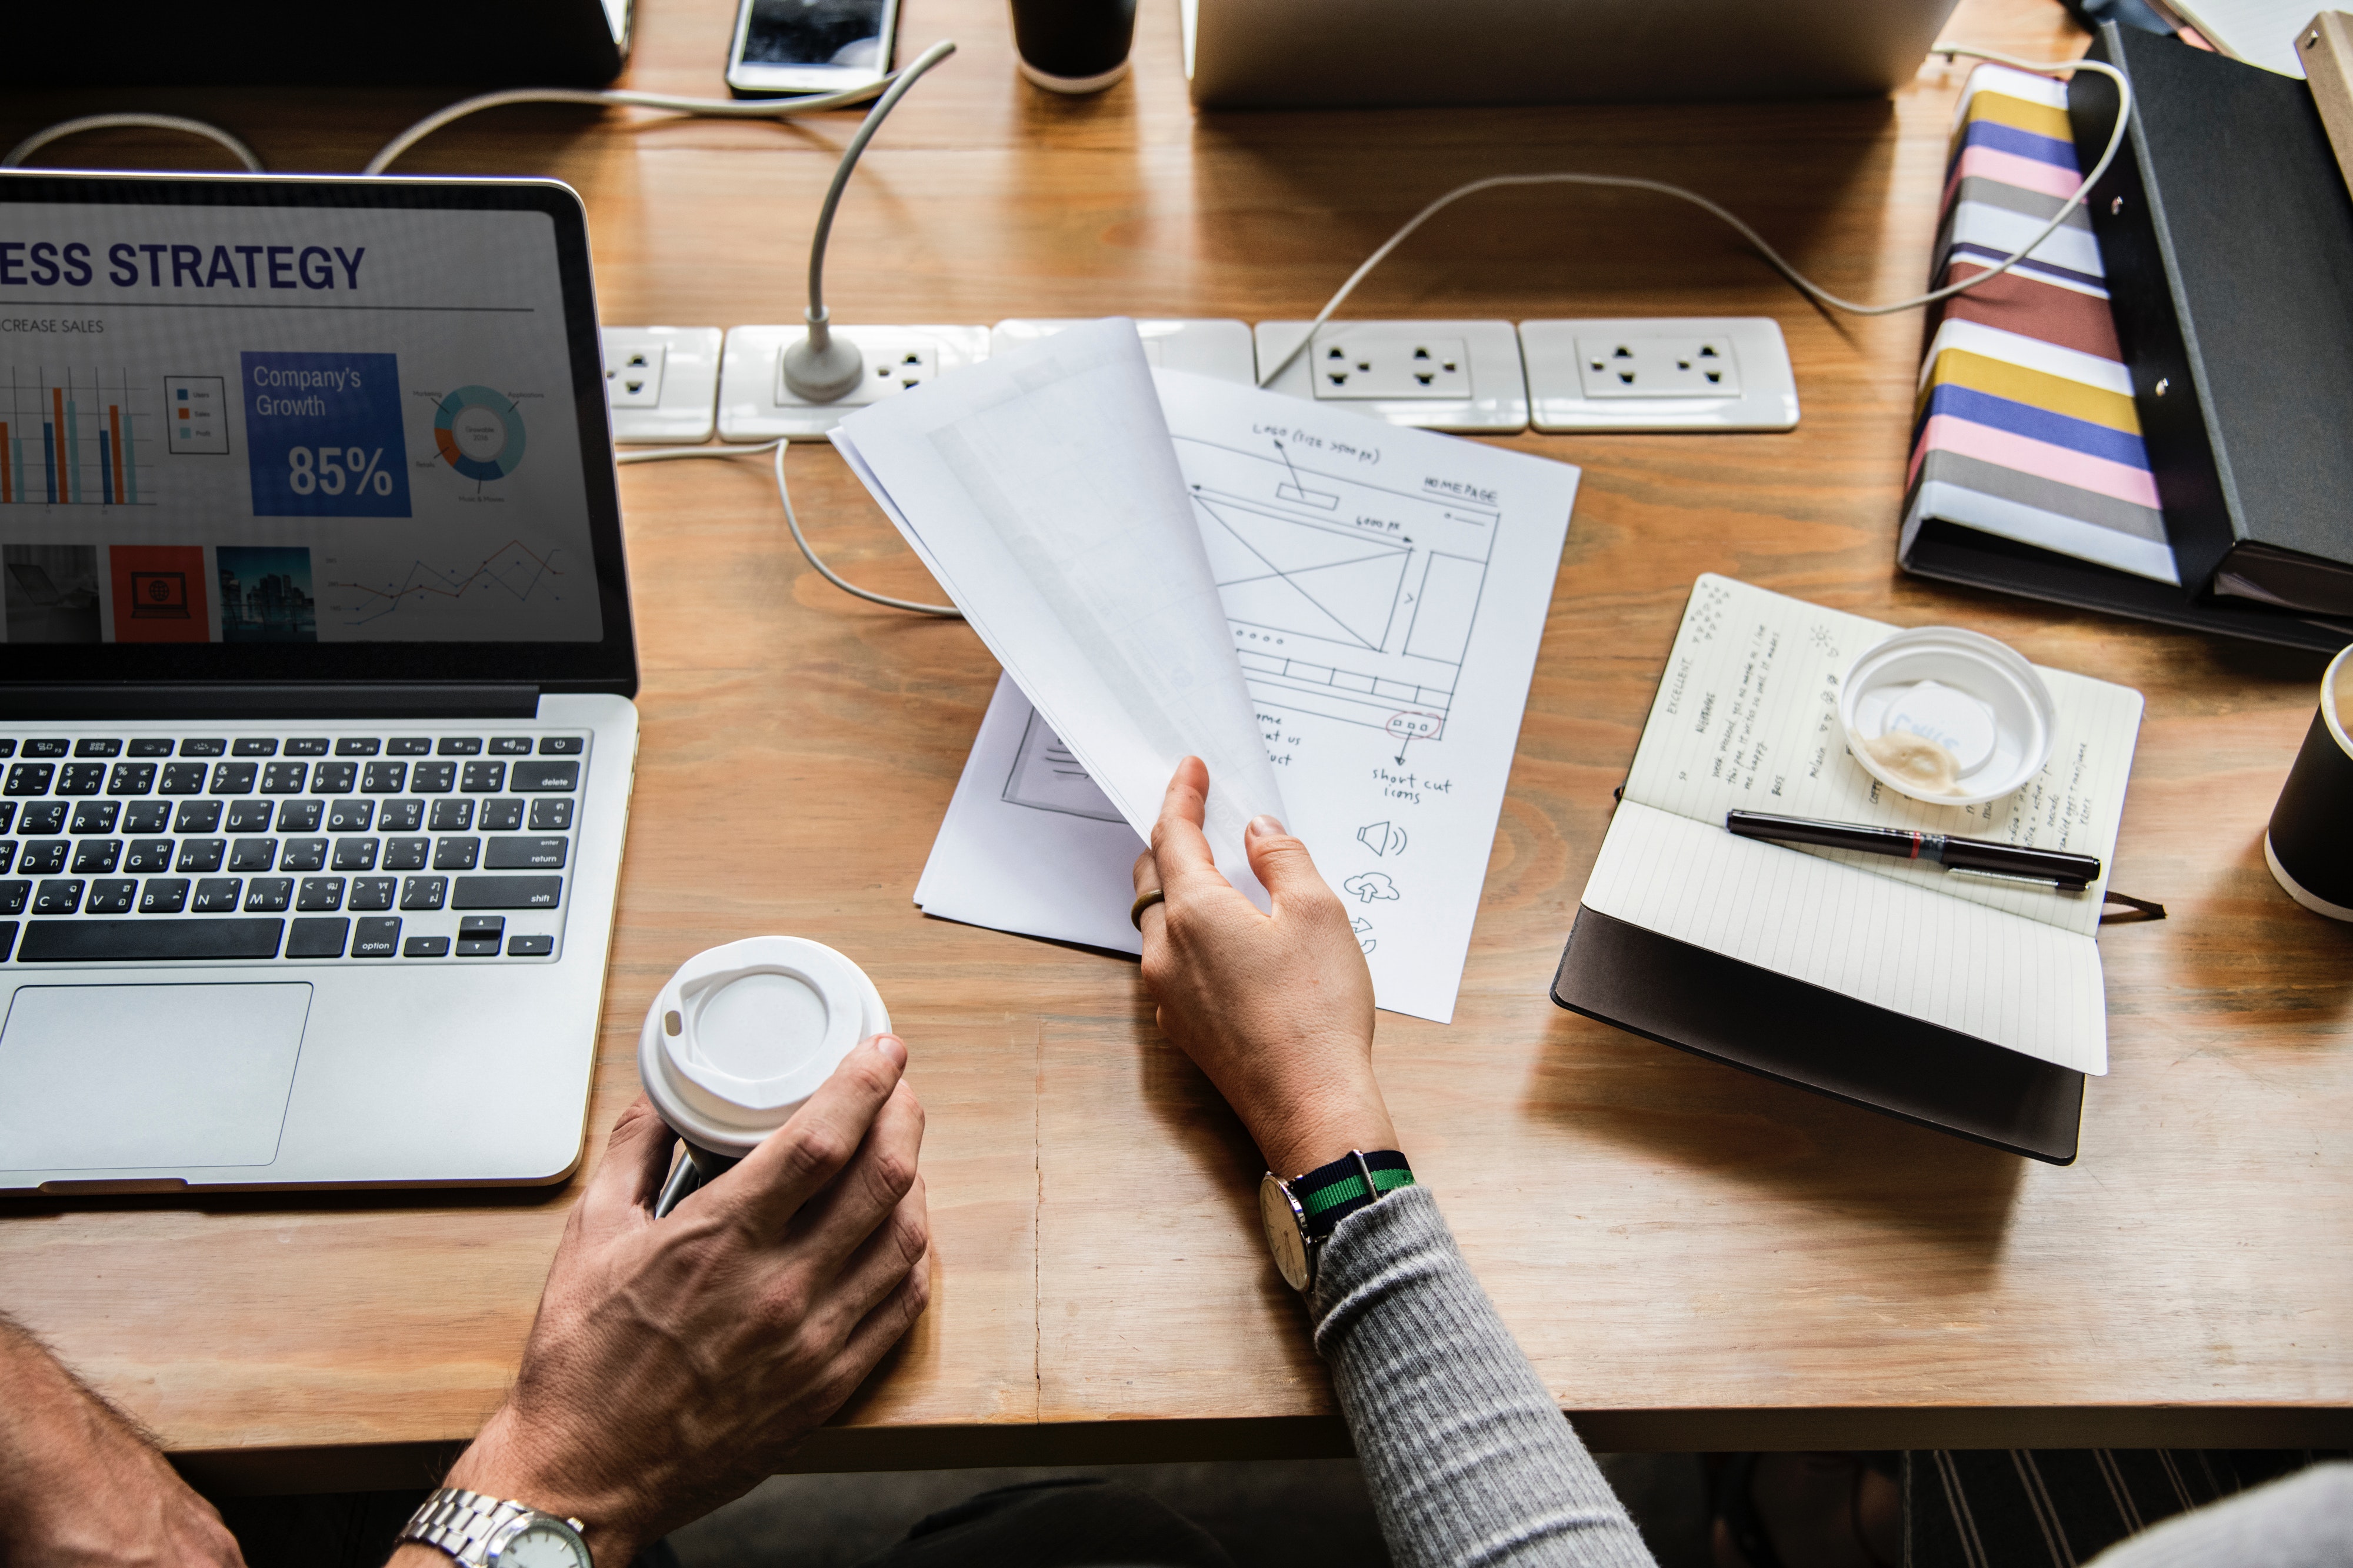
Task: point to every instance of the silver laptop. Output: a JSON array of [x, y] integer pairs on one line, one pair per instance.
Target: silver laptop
[[1303, 53], [315, 668]]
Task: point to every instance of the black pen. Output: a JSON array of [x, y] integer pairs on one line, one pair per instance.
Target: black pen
[[2069, 873]]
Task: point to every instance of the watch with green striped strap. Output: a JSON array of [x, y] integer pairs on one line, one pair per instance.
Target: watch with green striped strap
[[1299, 1214]]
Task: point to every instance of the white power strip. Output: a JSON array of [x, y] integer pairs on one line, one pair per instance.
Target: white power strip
[[1463, 376], [661, 384], [755, 405], [1659, 373], [1216, 348]]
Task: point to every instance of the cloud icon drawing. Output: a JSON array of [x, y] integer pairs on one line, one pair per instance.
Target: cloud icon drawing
[[1369, 886]]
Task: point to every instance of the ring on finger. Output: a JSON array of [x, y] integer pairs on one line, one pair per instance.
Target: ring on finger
[[1144, 900]]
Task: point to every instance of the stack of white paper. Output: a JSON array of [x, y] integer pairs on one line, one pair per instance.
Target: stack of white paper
[[1292, 592]]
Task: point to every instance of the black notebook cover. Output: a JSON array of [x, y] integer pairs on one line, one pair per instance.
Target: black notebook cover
[[1770, 1024]]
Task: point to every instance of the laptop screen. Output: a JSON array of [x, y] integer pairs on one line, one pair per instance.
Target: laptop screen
[[310, 429]]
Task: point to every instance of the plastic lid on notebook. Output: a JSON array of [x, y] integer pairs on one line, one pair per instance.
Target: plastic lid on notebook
[[1947, 716]]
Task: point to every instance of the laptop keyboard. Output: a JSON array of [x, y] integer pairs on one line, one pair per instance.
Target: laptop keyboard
[[284, 845]]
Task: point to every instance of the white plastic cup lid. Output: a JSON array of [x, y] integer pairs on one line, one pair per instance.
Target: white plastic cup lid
[[1947, 716], [743, 1034]]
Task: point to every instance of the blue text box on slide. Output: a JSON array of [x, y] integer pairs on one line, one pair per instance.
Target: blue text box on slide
[[323, 433]]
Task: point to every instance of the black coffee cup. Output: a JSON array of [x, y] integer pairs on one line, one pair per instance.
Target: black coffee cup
[[1073, 46], [2310, 842]]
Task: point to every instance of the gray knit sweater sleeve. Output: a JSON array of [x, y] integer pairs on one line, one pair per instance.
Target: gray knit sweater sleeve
[[1467, 1458]]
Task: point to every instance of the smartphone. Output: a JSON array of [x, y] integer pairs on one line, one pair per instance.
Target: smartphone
[[810, 46]]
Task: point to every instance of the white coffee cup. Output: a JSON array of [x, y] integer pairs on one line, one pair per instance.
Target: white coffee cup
[[742, 1035]]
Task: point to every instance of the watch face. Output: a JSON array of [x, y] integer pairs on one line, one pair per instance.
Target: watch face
[[1286, 1237], [543, 1545]]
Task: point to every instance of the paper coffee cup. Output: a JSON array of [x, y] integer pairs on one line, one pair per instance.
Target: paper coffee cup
[[2308, 846], [743, 1034], [1945, 716]]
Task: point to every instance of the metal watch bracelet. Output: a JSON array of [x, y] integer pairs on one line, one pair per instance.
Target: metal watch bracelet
[[461, 1523]]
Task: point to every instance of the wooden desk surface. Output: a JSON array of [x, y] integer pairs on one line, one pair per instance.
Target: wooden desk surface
[[1693, 1256]]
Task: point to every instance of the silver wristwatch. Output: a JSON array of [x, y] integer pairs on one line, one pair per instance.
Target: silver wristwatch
[[486, 1532]]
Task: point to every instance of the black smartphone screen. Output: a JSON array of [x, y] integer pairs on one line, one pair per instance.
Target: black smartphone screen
[[816, 33]]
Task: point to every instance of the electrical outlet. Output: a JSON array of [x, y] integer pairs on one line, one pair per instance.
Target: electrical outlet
[[1463, 376], [755, 403], [661, 384], [1693, 373], [1213, 348]]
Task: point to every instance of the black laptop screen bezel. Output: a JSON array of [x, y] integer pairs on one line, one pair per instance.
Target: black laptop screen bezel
[[608, 664]]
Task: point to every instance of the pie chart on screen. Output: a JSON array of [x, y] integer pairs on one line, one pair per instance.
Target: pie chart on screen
[[479, 432]]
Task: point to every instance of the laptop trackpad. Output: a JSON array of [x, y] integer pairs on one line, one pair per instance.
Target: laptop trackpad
[[105, 1077]]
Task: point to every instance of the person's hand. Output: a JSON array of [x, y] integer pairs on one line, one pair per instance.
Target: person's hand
[[80, 1486], [1276, 1008], [674, 1361]]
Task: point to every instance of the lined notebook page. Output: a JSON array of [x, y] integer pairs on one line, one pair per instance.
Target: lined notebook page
[[1746, 717], [2016, 982]]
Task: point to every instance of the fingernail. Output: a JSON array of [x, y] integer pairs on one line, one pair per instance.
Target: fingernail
[[1260, 826], [891, 1049]]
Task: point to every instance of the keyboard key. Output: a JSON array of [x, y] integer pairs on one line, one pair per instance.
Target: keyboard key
[[510, 745], [7, 854], [376, 938], [43, 816], [356, 854], [450, 746], [58, 748], [408, 746], [424, 892], [148, 816], [112, 896], [130, 778], [300, 815], [151, 746], [8, 814], [283, 778], [44, 856], [81, 778], [385, 778], [505, 816], [97, 748], [303, 855], [478, 947], [203, 748], [183, 778], [434, 778], [117, 941], [312, 746], [406, 854], [7, 748], [540, 778], [358, 746], [453, 816], [351, 816], [483, 778], [149, 854], [97, 857], [59, 896], [320, 893], [163, 896], [7, 927], [234, 778], [334, 778], [269, 895], [14, 896], [400, 816], [426, 947], [525, 855], [95, 816], [201, 854], [317, 939], [197, 816], [250, 815], [456, 854], [218, 894], [373, 892], [508, 893], [254, 746], [253, 855], [530, 946], [481, 925], [30, 778], [560, 745]]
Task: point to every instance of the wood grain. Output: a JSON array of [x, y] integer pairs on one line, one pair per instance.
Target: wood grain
[[1691, 1256]]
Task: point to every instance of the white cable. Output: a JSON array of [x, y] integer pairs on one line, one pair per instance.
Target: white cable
[[64, 127], [1631, 182], [664, 454], [705, 108]]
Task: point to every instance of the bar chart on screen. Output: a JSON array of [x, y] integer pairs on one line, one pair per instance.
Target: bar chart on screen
[[71, 437]]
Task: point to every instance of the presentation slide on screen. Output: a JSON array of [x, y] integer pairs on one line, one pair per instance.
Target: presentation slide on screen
[[271, 425]]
